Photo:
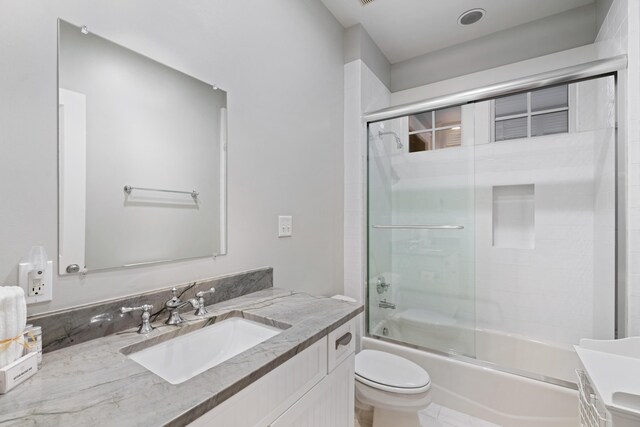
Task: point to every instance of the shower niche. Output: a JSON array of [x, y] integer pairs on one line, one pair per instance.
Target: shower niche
[[514, 216]]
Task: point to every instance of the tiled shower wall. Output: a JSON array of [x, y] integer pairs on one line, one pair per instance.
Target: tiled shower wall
[[558, 284]]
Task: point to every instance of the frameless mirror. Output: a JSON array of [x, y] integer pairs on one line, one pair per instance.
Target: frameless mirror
[[142, 158]]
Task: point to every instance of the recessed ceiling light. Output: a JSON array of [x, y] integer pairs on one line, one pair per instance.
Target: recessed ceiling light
[[471, 16]]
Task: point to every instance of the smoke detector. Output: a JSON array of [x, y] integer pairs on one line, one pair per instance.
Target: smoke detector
[[470, 16], [366, 2]]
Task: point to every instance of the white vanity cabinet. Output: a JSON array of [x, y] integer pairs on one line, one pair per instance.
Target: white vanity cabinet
[[608, 384], [315, 388]]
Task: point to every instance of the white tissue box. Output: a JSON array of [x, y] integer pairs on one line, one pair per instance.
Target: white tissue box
[[18, 371]]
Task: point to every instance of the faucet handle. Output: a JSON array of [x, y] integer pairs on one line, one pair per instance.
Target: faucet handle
[[382, 285], [174, 292], [144, 308], [145, 327], [200, 294], [202, 310]]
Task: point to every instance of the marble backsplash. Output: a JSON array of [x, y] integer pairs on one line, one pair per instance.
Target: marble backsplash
[[64, 328]]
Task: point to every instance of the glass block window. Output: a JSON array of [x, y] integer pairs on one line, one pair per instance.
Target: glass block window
[[536, 113], [435, 130]]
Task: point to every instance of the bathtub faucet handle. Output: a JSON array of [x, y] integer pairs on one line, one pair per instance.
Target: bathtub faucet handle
[[382, 285]]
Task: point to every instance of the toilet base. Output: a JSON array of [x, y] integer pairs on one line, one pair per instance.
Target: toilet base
[[390, 410], [388, 418]]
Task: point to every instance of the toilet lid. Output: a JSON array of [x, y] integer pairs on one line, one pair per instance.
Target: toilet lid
[[389, 372]]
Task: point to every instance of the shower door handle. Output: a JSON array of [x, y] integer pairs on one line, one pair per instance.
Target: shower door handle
[[422, 227]]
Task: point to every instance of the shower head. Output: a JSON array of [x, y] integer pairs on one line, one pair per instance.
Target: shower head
[[395, 135]]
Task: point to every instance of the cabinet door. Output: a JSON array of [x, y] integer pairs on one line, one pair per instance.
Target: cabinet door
[[266, 399], [329, 404]]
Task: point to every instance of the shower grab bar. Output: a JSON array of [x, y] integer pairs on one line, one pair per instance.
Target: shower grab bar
[[129, 188], [422, 227]]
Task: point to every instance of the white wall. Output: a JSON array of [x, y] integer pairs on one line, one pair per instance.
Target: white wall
[[358, 44], [281, 63], [556, 33], [503, 73]]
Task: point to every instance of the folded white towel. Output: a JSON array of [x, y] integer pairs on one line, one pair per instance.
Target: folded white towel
[[13, 319]]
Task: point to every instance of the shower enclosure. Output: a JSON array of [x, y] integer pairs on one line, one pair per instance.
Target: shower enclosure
[[492, 227]]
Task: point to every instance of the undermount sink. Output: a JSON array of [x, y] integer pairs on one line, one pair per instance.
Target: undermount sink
[[185, 356]]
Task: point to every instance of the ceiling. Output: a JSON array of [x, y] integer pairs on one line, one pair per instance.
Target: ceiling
[[405, 29]]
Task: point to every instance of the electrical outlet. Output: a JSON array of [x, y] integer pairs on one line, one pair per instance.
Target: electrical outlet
[[285, 226], [37, 285]]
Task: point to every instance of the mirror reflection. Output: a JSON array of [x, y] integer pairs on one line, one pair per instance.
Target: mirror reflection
[[141, 158]]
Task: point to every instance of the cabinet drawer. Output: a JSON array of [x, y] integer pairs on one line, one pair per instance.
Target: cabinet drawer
[[341, 343]]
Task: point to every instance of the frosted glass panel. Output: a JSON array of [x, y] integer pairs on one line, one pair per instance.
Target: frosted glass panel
[[549, 98], [421, 279], [511, 129], [550, 123], [511, 105]]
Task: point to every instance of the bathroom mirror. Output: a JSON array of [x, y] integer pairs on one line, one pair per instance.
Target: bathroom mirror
[[142, 163]]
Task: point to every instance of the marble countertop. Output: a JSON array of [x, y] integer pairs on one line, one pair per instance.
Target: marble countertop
[[93, 383]]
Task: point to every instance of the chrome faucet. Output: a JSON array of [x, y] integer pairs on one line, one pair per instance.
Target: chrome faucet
[[386, 304], [174, 305]]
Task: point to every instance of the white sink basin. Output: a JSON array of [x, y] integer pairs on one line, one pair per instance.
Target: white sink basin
[[185, 356]]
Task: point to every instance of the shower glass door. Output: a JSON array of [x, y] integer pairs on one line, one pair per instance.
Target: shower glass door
[[421, 286], [492, 228]]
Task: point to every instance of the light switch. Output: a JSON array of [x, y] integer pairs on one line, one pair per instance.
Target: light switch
[[285, 226]]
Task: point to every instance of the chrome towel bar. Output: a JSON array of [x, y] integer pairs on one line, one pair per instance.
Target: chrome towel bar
[[129, 188]]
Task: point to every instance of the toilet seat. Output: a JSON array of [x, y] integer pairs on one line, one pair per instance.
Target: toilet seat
[[391, 373]]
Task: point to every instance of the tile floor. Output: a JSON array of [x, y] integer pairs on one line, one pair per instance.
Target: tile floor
[[433, 416], [436, 415]]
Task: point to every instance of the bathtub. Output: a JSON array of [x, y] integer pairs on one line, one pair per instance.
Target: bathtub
[[502, 398], [510, 352]]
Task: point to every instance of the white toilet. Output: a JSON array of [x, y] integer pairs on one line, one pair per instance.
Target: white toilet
[[395, 387]]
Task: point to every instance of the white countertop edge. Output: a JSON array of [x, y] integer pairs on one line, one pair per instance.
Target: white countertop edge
[[610, 373]]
